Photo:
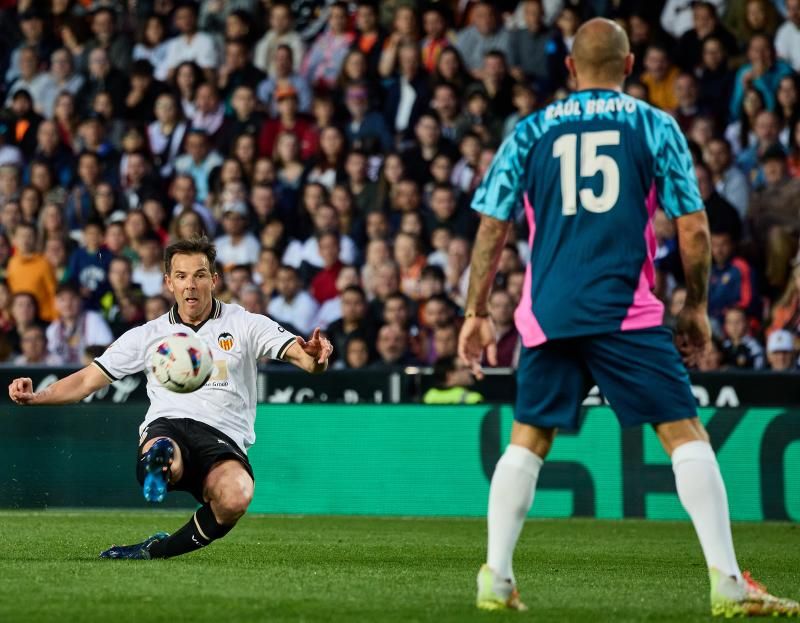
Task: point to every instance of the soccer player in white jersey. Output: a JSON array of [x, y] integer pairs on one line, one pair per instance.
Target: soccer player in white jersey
[[192, 442]]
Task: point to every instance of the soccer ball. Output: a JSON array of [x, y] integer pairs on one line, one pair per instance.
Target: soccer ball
[[182, 363]]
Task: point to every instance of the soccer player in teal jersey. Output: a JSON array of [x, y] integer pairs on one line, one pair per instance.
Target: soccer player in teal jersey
[[590, 170]]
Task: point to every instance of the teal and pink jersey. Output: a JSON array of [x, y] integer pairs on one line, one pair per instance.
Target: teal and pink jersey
[[590, 171]]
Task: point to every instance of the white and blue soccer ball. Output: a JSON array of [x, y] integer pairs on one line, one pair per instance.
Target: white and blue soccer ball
[[182, 363]]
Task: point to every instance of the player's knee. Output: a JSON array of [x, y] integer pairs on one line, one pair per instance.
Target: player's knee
[[233, 503]]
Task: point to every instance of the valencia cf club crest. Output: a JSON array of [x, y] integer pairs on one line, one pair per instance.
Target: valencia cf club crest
[[225, 341]]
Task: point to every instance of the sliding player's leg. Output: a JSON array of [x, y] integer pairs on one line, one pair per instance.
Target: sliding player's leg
[[160, 465], [551, 383], [643, 378]]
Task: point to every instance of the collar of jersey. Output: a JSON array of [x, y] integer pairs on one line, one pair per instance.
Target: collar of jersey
[[216, 312]]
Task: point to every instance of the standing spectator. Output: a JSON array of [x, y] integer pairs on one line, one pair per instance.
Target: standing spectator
[[787, 39], [731, 282], [728, 180], [190, 45], [293, 305], [762, 71], [75, 328], [29, 271], [33, 344], [324, 60], [659, 77], [739, 349], [483, 36], [781, 352], [279, 34]]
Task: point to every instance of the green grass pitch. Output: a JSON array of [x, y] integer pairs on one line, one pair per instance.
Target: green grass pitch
[[305, 569]]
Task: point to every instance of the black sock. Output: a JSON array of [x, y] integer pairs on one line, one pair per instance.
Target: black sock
[[198, 532]]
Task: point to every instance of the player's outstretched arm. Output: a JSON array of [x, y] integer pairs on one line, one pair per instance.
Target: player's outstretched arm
[[310, 355], [693, 329], [70, 389], [477, 332]]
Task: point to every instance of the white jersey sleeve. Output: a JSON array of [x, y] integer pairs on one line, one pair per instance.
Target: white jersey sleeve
[[267, 337], [125, 356]]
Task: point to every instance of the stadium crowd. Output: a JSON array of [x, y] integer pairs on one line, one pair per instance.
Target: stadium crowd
[[331, 149]]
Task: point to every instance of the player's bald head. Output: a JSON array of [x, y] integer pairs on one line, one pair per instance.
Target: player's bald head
[[600, 51]]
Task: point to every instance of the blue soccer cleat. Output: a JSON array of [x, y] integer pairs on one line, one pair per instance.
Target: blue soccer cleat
[[156, 459], [140, 551]]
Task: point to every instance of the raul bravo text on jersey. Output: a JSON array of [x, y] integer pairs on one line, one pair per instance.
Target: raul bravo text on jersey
[[572, 108]]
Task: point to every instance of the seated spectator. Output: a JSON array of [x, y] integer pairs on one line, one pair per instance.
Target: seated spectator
[[677, 299], [184, 192], [237, 70], [24, 314], [722, 216], [148, 272], [408, 94], [88, 266], [280, 34], [165, 134], [731, 282], [106, 36], [61, 77], [325, 220], [705, 25], [787, 39], [252, 299], [355, 321], [524, 100], [393, 349], [103, 77], [364, 128], [209, 111], [75, 328], [786, 310], [33, 344], [293, 305], [324, 59], [331, 310], [739, 133], [688, 107], [198, 161], [711, 359], [237, 246], [739, 349], [782, 351], [728, 180], [356, 353], [529, 48], [243, 119], [451, 382], [766, 130], [266, 271], [483, 36], [236, 278], [121, 288], [501, 311], [28, 271], [405, 31], [429, 144], [288, 120], [437, 35], [363, 190], [410, 260], [773, 217], [281, 76], [763, 71], [30, 78], [659, 77], [323, 284], [715, 80], [189, 45], [155, 307], [152, 46]]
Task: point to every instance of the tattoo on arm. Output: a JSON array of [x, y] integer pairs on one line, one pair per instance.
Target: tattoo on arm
[[485, 257], [695, 246]]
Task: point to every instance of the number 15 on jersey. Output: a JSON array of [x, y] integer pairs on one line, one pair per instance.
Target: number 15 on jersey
[[565, 149]]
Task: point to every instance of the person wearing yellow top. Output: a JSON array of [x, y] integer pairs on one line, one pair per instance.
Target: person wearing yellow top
[[452, 380], [659, 78], [29, 271]]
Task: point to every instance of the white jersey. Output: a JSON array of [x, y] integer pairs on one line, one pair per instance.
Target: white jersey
[[227, 401]]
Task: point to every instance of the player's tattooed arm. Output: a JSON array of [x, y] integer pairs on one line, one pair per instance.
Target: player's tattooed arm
[[489, 243], [695, 246]]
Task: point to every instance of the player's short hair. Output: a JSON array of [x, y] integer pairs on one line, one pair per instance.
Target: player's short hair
[[192, 246]]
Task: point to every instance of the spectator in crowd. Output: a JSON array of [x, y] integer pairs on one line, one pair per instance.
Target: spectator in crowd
[[88, 265], [165, 134], [121, 288], [324, 59], [705, 24], [75, 328], [154, 307], [356, 353], [198, 161], [279, 34], [773, 217], [322, 285], [408, 93], [787, 39], [731, 282], [437, 35], [61, 77], [152, 45], [729, 181], [190, 44], [484, 35], [786, 310], [763, 71], [148, 272], [288, 120], [29, 271], [24, 314], [236, 69], [677, 17], [34, 36], [739, 133], [237, 245], [355, 321], [659, 77], [722, 216], [404, 31], [365, 129], [781, 351], [739, 348], [715, 79], [284, 74], [452, 380], [117, 45], [766, 130], [392, 349], [501, 311], [293, 306], [33, 345], [688, 108], [529, 47], [102, 78]]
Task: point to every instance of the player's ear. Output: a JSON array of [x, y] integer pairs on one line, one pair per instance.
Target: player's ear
[[569, 63], [629, 61]]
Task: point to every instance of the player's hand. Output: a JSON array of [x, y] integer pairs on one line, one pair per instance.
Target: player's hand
[[318, 346], [21, 391], [477, 335], [692, 334]]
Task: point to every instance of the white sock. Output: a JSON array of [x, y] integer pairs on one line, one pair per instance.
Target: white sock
[[510, 499], [702, 493]]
